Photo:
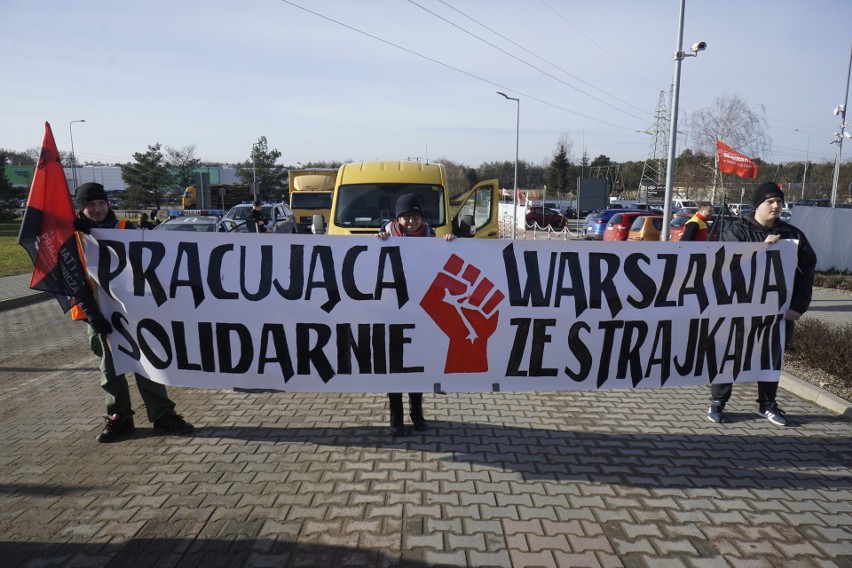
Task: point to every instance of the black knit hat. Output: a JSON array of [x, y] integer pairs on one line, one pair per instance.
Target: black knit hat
[[766, 191], [408, 203], [90, 192]]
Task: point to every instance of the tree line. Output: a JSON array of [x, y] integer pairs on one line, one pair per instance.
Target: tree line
[[163, 172]]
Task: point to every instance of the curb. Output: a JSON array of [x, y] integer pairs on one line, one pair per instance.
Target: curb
[[814, 394], [9, 303]]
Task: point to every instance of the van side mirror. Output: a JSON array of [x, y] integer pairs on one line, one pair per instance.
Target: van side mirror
[[317, 225]]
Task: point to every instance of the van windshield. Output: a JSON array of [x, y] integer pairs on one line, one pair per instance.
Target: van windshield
[[371, 205], [300, 200]]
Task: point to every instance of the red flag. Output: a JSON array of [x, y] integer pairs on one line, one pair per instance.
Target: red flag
[[47, 231], [732, 162]]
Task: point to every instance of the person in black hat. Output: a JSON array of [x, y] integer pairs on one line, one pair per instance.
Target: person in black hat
[[94, 212], [255, 223], [764, 225], [408, 223]]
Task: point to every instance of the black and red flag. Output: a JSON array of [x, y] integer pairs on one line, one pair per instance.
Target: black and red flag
[[47, 232]]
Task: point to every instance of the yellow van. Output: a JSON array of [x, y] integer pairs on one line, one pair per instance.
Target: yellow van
[[365, 197], [311, 191]]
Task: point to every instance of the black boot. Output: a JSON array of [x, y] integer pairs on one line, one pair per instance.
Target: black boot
[[415, 403], [397, 424]]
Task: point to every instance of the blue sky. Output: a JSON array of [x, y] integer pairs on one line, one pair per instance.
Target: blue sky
[[396, 79]]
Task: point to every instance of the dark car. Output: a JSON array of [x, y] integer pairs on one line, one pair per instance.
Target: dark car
[[595, 223], [544, 217]]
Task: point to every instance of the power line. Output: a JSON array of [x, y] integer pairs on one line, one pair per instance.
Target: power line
[[534, 55], [456, 69], [596, 44]]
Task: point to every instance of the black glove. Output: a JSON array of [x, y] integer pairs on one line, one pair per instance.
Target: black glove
[[84, 225], [100, 325]]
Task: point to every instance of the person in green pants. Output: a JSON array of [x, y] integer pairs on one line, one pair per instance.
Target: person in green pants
[[94, 212]]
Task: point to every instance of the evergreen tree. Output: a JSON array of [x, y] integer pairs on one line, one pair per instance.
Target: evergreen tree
[[148, 179], [559, 171]]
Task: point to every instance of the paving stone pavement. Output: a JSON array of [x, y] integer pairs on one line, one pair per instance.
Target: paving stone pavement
[[614, 478]]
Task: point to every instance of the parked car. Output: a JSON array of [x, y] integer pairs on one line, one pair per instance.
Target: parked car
[[197, 223], [741, 209], [279, 217], [619, 225], [646, 228], [544, 217], [677, 226], [785, 216], [595, 224]]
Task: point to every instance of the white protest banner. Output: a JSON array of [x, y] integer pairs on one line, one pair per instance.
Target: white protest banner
[[351, 314]]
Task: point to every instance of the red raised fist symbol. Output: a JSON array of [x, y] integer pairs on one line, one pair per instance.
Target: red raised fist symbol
[[464, 305]]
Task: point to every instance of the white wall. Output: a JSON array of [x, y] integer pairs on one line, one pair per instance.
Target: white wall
[[829, 231]]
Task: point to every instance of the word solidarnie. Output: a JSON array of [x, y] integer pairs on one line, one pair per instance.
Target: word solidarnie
[[580, 294]]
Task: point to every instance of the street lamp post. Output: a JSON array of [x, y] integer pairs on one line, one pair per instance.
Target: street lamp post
[[254, 170], [517, 138], [73, 164], [670, 166], [807, 157], [841, 110]]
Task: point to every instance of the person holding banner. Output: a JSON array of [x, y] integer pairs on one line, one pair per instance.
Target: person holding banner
[[764, 225], [408, 223], [94, 212]]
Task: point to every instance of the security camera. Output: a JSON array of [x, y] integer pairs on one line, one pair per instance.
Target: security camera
[[700, 46]]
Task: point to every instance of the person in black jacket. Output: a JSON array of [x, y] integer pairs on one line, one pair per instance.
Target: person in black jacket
[[255, 223], [697, 229], [764, 225], [94, 212]]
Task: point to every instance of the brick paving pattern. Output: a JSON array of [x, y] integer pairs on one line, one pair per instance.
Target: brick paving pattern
[[615, 478]]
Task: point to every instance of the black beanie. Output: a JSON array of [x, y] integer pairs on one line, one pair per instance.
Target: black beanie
[[408, 203], [90, 192], [765, 191]]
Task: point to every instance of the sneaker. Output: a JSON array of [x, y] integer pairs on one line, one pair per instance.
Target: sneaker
[[116, 428], [420, 425], [173, 423], [773, 414], [715, 413]]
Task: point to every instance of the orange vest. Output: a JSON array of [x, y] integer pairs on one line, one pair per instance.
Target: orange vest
[[701, 234], [76, 312]]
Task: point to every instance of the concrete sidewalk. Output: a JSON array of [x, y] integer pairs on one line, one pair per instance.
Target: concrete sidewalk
[[612, 478]]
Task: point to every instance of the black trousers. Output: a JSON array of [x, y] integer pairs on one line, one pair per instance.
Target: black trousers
[[415, 407], [766, 391]]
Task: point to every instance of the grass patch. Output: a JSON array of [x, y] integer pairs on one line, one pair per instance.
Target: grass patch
[[13, 258], [823, 346]]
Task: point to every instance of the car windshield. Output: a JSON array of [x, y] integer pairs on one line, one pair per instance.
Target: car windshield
[[371, 205], [303, 200]]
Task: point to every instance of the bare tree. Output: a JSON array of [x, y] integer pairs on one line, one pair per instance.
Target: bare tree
[[182, 162], [732, 121]]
